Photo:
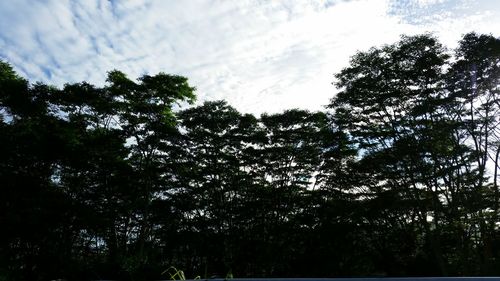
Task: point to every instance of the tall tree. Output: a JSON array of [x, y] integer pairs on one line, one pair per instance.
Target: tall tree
[[393, 103], [474, 80]]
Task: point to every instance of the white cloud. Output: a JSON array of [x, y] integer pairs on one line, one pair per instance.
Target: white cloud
[[429, 2], [259, 55]]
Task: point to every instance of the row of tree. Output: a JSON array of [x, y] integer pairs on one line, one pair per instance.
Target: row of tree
[[398, 177]]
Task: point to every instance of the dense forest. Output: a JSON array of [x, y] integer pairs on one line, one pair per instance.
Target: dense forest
[[398, 176]]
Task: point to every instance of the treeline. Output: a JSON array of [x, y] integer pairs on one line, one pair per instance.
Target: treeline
[[398, 177]]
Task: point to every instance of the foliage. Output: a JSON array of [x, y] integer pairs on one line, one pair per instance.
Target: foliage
[[399, 177]]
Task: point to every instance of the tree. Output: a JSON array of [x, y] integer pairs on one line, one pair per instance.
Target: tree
[[74, 174], [394, 105], [474, 80]]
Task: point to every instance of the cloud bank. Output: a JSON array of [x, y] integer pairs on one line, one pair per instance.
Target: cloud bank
[[261, 56]]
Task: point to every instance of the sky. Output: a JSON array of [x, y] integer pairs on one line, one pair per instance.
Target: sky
[[260, 56]]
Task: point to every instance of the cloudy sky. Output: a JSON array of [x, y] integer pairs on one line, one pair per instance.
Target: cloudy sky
[[261, 56]]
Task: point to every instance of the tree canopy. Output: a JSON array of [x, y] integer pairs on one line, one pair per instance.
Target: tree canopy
[[398, 176]]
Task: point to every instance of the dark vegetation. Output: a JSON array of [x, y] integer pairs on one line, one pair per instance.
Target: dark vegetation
[[398, 177]]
